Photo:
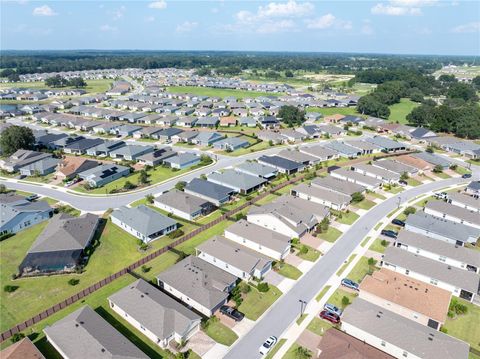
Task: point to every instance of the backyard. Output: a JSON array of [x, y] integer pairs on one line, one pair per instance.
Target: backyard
[[466, 326]]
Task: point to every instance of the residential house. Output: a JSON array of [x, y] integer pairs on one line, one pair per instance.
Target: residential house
[[186, 121], [396, 167], [292, 136], [433, 159], [147, 132], [234, 258], [22, 158], [461, 283], [125, 130], [442, 229], [228, 121], [103, 174], [453, 213], [337, 185], [155, 314], [238, 181], [367, 148], [386, 144], [275, 137], [42, 167], [271, 243], [231, 144], [156, 157], [421, 134], [207, 122], [300, 157], [331, 130], [320, 152], [184, 137], [197, 283], [281, 164], [104, 149], [335, 200], [246, 121], [23, 349], [61, 245], [368, 182], [183, 205], [70, 167], [167, 134], [80, 147], [207, 138], [397, 335], [212, 192], [182, 160], [343, 149], [413, 299], [18, 214], [85, 334], [473, 188], [143, 222], [464, 201], [265, 122], [130, 152], [303, 205], [257, 169], [376, 172], [421, 165]]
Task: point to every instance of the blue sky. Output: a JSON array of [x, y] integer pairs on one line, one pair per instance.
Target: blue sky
[[384, 26]]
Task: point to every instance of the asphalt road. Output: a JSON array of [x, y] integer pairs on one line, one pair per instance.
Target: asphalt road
[[287, 308]]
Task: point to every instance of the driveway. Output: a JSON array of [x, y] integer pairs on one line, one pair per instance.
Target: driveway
[[310, 341], [200, 343], [274, 278]]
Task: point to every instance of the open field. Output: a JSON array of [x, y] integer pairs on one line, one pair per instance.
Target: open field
[[213, 92], [93, 86], [334, 110], [399, 111]]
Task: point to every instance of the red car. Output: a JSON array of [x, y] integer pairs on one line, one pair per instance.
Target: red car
[[331, 317]]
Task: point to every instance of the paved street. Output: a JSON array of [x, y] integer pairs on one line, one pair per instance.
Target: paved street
[[286, 309]]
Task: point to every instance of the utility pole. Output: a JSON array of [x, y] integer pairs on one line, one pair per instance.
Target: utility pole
[[302, 304]]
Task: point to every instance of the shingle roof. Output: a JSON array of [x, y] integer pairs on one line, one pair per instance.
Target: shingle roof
[[208, 189], [418, 339], [234, 179], [143, 219], [256, 168], [324, 194], [281, 162], [199, 280], [85, 334], [154, 310], [454, 211], [181, 201], [337, 185]]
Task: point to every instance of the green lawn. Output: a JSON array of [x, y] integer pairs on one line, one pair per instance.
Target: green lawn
[[466, 327], [377, 195], [334, 110], [347, 217], [275, 349], [287, 270], [345, 265], [399, 111], [322, 293], [293, 354], [462, 170], [413, 182], [365, 241], [378, 225], [377, 246], [361, 269], [365, 204], [220, 333], [442, 175], [336, 297], [331, 235], [312, 254], [256, 303], [319, 326], [214, 92], [300, 319], [394, 189]]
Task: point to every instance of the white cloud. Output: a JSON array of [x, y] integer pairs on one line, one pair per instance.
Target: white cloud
[[288, 9], [186, 26], [117, 14], [162, 4], [327, 21], [108, 28], [44, 10], [413, 3], [275, 26], [471, 27], [150, 19], [381, 9]]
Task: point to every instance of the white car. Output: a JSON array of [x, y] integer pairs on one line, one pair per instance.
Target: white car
[[269, 344]]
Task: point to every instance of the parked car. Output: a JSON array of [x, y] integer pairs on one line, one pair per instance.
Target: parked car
[[441, 195], [349, 284], [32, 197], [332, 309], [268, 344], [398, 222], [232, 313], [467, 175], [331, 317], [403, 183], [389, 233]]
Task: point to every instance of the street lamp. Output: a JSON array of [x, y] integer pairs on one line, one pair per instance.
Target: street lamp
[[302, 304]]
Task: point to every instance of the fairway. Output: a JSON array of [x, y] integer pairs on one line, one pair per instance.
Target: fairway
[[214, 92], [399, 111]]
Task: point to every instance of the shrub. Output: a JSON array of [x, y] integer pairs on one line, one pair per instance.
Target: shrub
[[239, 216], [244, 288], [345, 301], [10, 288], [453, 167], [443, 329], [146, 269], [73, 281], [384, 243], [409, 210], [128, 185], [149, 198], [263, 287], [17, 337], [437, 169], [295, 241], [357, 197], [371, 261], [176, 234], [304, 250]]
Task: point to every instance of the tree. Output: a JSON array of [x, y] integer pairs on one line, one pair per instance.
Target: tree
[[128, 185], [476, 82], [288, 73], [291, 115], [73, 281], [370, 105], [77, 82], [3, 188], [263, 287], [357, 197], [345, 301], [438, 169], [56, 81], [15, 138], [10, 288], [430, 149], [409, 210], [302, 353], [463, 91], [149, 198], [404, 176], [143, 177], [180, 185]]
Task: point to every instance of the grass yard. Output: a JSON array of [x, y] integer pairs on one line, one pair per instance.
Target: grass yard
[[292, 353], [287, 270], [220, 333], [334, 110], [378, 225], [361, 269], [347, 217], [319, 326], [376, 195], [275, 349], [214, 92], [311, 255], [300, 319], [322, 293], [466, 326], [441, 175], [394, 189], [378, 247], [462, 170], [345, 265], [256, 303], [331, 235], [365, 241], [399, 111], [336, 298], [365, 204], [413, 182]]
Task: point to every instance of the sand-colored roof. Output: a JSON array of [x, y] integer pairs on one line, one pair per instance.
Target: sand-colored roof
[[414, 162], [70, 164], [407, 292], [24, 349], [229, 120], [334, 118]]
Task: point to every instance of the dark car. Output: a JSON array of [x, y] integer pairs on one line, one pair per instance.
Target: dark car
[[402, 182], [389, 233], [349, 284], [398, 222], [467, 175], [232, 313], [331, 317]]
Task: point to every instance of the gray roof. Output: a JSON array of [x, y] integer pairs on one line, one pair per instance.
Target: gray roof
[[281, 162], [157, 155], [417, 339], [321, 193], [385, 143], [181, 201], [432, 158], [431, 268], [234, 254], [443, 227], [465, 200], [300, 204], [234, 179], [342, 148], [208, 137], [211, 121], [474, 185], [143, 219], [12, 206], [154, 310], [106, 146], [182, 158], [231, 141], [319, 151], [131, 150], [297, 156], [199, 280], [102, 171], [363, 145], [258, 234], [377, 171], [358, 176], [441, 248], [65, 232], [208, 189], [255, 168], [395, 166], [454, 211], [42, 165], [85, 334], [337, 185]]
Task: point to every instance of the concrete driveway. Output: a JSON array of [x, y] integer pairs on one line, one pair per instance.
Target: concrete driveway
[[200, 343]]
